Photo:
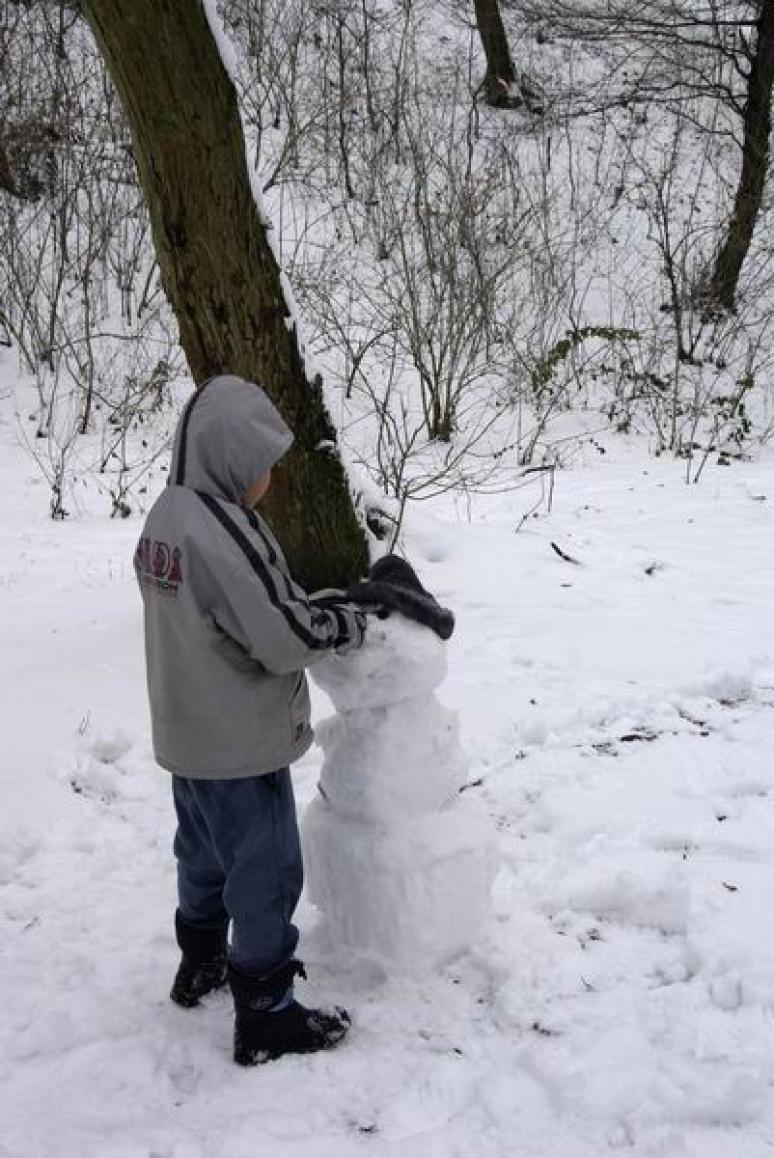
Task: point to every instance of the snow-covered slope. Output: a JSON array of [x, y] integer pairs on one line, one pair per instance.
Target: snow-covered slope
[[618, 720]]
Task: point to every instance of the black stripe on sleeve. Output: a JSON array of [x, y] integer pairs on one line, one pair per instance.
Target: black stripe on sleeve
[[341, 623], [252, 519], [313, 642], [318, 617], [183, 448]]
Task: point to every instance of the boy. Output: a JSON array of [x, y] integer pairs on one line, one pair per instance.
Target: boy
[[227, 636]]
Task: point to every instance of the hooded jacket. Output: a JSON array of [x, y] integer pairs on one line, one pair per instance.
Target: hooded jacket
[[228, 632]]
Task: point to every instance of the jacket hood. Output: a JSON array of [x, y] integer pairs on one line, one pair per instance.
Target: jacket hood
[[230, 434]]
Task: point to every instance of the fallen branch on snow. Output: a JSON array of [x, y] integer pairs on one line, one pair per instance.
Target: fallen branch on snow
[[563, 555]]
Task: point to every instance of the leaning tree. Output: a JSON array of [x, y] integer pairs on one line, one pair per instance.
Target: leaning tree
[[756, 63], [217, 264], [681, 51]]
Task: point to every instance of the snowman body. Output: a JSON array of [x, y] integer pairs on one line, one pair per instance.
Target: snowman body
[[398, 861]]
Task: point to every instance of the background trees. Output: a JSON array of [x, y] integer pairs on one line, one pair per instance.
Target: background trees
[[485, 289]]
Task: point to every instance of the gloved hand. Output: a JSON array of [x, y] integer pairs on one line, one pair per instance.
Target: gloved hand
[[392, 584], [355, 620], [354, 613]]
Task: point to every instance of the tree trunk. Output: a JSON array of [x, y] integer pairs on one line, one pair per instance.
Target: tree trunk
[[217, 267], [755, 159], [500, 79]]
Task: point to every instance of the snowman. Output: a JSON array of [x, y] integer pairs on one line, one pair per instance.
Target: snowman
[[398, 861]]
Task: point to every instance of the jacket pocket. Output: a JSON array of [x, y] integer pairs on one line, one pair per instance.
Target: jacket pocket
[[300, 708], [231, 651]]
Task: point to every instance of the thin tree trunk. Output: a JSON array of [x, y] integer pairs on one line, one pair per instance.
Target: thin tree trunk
[[755, 158], [217, 267], [500, 77]]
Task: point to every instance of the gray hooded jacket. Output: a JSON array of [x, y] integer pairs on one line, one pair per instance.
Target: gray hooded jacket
[[227, 631]]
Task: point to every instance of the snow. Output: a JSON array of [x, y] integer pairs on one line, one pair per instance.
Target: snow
[[617, 723]]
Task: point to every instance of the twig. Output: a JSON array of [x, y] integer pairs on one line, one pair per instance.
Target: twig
[[563, 555]]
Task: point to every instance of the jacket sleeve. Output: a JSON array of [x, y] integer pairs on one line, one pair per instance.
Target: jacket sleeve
[[277, 623]]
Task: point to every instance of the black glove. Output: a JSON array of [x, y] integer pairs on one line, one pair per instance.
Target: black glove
[[393, 585]]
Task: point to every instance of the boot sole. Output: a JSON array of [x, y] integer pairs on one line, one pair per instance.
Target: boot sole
[[190, 1000], [260, 1057]]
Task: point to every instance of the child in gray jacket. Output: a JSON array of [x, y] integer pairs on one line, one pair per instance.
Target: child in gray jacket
[[228, 634]]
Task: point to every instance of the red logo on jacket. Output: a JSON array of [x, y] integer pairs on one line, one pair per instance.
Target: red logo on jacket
[[158, 565]]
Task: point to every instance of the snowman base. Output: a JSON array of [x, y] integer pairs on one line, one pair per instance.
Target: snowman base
[[413, 897]]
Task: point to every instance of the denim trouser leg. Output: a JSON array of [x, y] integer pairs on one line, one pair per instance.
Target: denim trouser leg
[[239, 858]]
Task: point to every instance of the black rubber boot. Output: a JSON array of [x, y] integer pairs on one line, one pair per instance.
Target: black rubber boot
[[261, 1034], [203, 964]]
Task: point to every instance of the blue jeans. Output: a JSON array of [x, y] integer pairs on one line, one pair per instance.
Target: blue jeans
[[239, 860]]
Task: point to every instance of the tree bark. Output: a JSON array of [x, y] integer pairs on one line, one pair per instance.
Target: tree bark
[[756, 145], [500, 77], [218, 269]]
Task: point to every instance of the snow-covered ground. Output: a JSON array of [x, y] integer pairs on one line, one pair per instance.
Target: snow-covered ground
[[618, 719]]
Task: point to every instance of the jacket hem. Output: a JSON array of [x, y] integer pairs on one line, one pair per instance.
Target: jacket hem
[[244, 771]]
